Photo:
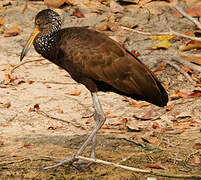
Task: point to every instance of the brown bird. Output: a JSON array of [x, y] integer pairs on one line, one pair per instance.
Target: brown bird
[[96, 61]]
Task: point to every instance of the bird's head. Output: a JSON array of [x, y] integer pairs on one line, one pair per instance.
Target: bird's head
[[47, 22]]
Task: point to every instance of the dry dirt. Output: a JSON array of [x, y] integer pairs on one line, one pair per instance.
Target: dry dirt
[[32, 140]]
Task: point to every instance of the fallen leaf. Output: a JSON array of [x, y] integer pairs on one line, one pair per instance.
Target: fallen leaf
[[116, 145], [77, 13], [197, 146], [7, 79], [54, 128], [135, 53], [170, 107], [60, 111], [105, 127], [160, 67], [13, 154], [1, 21], [1, 143], [155, 125], [157, 165], [164, 37], [28, 146], [141, 104], [184, 114], [196, 160], [124, 120], [132, 127], [122, 127], [54, 3], [148, 115], [182, 126], [187, 69], [36, 106], [7, 105], [190, 45], [74, 93], [194, 11], [14, 31], [195, 94], [166, 86], [115, 7], [89, 120], [164, 44]]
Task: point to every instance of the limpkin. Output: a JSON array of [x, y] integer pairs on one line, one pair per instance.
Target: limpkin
[[96, 61]]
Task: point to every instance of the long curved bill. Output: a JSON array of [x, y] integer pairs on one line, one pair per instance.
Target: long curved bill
[[29, 43]]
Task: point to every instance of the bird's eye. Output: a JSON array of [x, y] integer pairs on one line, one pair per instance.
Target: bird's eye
[[37, 21]]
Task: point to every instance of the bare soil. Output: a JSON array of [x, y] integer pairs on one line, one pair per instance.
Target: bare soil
[[31, 140]]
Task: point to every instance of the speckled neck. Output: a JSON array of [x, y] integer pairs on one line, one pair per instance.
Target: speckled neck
[[45, 41]]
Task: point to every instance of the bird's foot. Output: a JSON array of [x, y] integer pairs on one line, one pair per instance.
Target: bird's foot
[[80, 164], [69, 161]]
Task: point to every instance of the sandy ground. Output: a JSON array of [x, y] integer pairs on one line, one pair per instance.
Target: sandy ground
[[31, 140]]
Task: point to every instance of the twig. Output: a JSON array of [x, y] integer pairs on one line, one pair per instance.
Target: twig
[[25, 62], [182, 72], [134, 142], [12, 162], [186, 63], [54, 82], [4, 163], [144, 33], [184, 36], [140, 170], [179, 9], [65, 121]]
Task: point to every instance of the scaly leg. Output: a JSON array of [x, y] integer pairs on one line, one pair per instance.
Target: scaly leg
[[99, 118]]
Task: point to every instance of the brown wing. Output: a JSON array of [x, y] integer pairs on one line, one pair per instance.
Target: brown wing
[[97, 57]]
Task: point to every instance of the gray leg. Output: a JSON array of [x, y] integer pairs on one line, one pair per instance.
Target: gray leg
[[99, 118]]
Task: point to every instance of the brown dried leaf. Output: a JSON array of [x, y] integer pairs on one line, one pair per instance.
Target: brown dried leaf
[[195, 94], [7, 79], [190, 45], [7, 105], [14, 31], [141, 104], [157, 165], [148, 115], [74, 93], [89, 120], [105, 127], [198, 85], [187, 69], [54, 128], [60, 111], [160, 67], [36, 106], [132, 127], [196, 160], [197, 146], [1, 21], [155, 125], [77, 13], [1, 143], [13, 154], [28, 146], [170, 107], [53, 3], [194, 11], [135, 53]]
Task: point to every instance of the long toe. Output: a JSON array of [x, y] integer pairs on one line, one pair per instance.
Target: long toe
[[61, 163]]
